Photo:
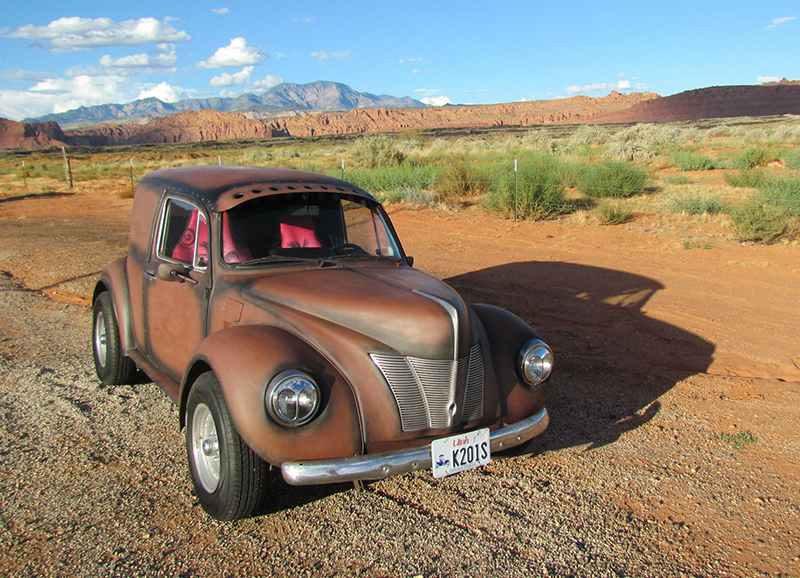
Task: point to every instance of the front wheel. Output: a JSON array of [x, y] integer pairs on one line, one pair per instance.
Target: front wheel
[[112, 365], [228, 477]]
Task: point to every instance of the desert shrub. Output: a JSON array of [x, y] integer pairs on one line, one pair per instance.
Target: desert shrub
[[791, 158], [691, 161], [459, 181], [376, 151], [630, 152], [541, 194], [401, 182], [758, 222], [678, 180], [539, 141], [589, 135], [697, 205], [749, 159], [746, 179], [611, 214], [783, 193], [612, 179]]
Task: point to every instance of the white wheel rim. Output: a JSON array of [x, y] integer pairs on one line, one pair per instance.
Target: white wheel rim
[[100, 338], [205, 447]]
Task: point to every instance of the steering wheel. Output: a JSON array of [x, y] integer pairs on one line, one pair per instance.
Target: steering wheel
[[348, 248]]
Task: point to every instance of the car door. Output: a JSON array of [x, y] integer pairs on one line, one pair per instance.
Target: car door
[[176, 285]]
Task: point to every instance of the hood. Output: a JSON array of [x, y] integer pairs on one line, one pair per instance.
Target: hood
[[407, 311]]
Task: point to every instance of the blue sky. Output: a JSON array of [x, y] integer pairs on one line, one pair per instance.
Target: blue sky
[[56, 56]]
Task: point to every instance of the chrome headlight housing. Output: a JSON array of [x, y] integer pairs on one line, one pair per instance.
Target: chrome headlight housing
[[535, 361], [292, 398]]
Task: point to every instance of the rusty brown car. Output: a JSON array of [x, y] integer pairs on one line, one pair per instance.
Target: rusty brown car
[[278, 310]]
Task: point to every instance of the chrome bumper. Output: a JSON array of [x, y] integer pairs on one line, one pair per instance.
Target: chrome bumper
[[379, 466]]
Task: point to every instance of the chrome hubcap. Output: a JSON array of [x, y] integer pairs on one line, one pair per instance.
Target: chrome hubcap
[[205, 447], [100, 346]]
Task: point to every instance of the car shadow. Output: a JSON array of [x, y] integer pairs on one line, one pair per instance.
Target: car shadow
[[613, 361]]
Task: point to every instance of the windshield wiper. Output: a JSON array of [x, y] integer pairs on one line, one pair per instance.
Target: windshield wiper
[[278, 259]]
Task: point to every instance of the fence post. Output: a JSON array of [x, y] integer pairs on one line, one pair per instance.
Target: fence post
[[67, 168], [24, 175], [133, 189], [516, 191], [342, 169]]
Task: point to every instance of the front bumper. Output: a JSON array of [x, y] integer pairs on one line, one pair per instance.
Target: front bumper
[[384, 465]]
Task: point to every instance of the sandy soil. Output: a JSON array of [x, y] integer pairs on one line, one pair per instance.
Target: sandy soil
[[673, 438]]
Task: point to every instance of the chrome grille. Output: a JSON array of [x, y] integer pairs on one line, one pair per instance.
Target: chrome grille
[[435, 393]]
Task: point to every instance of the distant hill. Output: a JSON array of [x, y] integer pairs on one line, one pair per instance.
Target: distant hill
[[286, 97], [714, 102]]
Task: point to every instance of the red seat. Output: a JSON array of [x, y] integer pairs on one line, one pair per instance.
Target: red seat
[[232, 251], [298, 232], [184, 250]]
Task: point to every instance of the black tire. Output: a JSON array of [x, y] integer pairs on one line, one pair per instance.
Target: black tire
[[112, 365], [238, 486]]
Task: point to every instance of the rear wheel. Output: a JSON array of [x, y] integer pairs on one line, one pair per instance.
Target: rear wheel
[[228, 477], [112, 365]]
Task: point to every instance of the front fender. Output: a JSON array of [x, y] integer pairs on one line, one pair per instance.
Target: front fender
[[507, 333], [245, 359]]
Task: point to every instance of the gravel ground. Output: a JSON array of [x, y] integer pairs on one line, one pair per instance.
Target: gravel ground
[[94, 483], [641, 473]]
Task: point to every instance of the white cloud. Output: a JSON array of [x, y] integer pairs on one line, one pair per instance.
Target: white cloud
[[404, 60], [236, 54], [163, 92], [325, 55], [603, 86], [268, 82], [236, 79], [163, 57], [302, 20], [76, 33], [778, 21], [220, 10], [428, 91], [436, 100], [763, 79], [24, 75], [416, 71]]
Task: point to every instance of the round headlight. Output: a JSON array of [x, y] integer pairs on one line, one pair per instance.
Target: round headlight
[[292, 398], [535, 361]]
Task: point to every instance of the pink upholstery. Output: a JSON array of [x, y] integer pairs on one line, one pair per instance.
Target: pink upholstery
[[298, 232], [232, 251], [184, 250]]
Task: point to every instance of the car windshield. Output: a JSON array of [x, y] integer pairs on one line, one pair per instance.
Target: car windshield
[[299, 226]]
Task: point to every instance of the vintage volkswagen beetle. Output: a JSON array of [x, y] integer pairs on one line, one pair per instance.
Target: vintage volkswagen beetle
[[278, 310]]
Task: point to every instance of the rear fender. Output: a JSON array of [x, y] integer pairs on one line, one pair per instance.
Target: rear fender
[[507, 334], [245, 359], [114, 279]]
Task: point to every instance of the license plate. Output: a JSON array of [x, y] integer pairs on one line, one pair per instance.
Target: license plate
[[460, 452]]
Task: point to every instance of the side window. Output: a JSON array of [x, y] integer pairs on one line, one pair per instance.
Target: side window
[[184, 234]]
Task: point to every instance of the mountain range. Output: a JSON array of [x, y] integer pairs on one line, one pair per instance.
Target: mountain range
[[279, 100]]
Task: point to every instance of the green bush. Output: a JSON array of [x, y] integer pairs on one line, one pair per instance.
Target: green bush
[[612, 179], [678, 180], [783, 193], [758, 222], [689, 161], [696, 205], [611, 214], [459, 181], [541, 194], [791, 158], [630, 152], [395, 183], [750, 159], [376, 151], [746, 179]]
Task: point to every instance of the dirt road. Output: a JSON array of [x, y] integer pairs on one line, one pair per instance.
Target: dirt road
[[672, 451]]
